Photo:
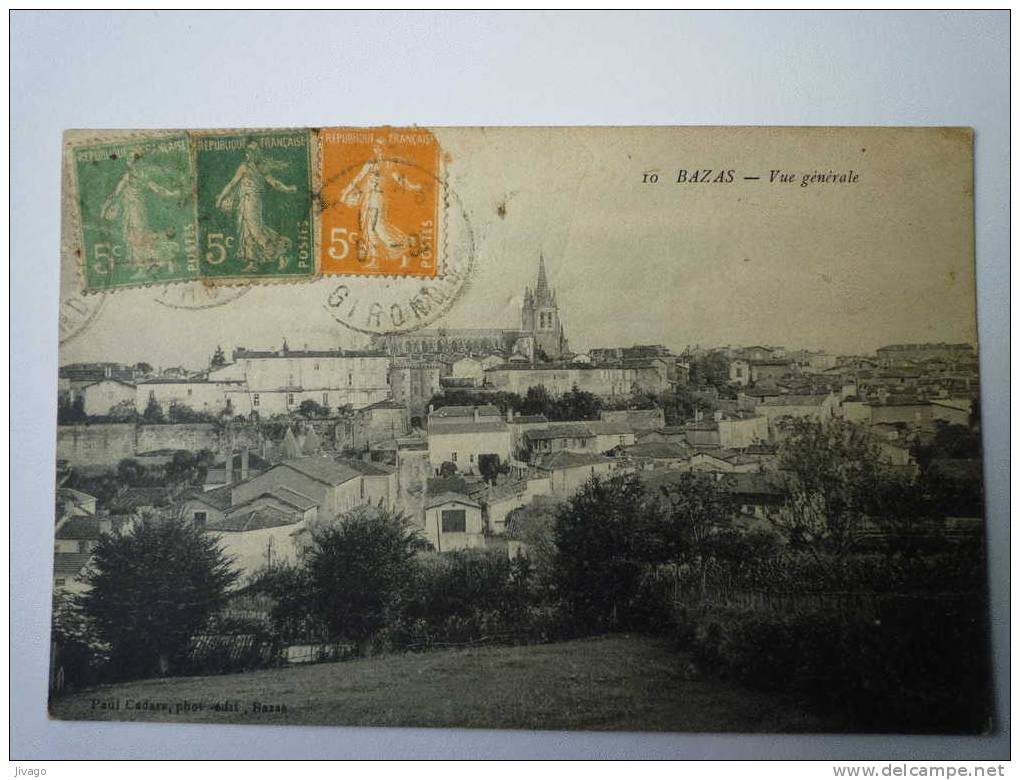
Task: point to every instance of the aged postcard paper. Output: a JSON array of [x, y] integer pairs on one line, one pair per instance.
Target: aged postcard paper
[[644, 429]]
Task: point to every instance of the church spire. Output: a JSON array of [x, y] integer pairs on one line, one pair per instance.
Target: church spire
[[542, 286]]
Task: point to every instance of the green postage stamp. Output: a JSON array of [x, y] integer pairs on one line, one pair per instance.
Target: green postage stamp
[[254, 205], [181, 206], [136, 212]]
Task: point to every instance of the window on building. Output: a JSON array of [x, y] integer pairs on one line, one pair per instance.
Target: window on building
[[189, 391], [454, 521], [316, 366], [83, 546], [61, 582], [290, 399], [325, 399], [255, 399], [200, 518], [350, 379], [453, 456], [471, 458]]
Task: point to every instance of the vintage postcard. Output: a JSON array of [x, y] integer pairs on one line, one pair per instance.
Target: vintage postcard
[[617, 428]]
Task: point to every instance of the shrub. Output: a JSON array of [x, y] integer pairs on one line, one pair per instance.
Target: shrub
[[918, 665]]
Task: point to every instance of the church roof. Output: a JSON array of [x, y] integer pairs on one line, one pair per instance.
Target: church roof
[[543, 295]]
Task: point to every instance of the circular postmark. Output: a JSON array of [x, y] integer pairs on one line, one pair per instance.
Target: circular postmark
[[392, 304], [199, 295], [77, 312]]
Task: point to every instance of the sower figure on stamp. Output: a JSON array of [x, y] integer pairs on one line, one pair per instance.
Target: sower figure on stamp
[[126, 205], [366, 192], [244, 194]]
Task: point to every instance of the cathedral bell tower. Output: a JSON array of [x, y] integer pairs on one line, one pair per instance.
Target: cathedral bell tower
[[540, 318]]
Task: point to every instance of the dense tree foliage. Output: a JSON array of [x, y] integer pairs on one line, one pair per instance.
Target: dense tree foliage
[[830, 471], [604, 539], [356, 567], [151, 590]]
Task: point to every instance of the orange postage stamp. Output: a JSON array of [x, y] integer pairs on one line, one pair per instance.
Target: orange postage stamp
[[380, 201]]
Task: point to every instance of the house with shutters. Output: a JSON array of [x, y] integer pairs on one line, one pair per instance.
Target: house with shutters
[[453, 521], [462, 435]]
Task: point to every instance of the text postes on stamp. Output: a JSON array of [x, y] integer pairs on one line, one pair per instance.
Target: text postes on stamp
[[380, 202], [254, 205], [137, 214]]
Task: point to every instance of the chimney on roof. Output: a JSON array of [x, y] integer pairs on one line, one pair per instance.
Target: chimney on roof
[[107, 370], [476, 414], [510, 414], [244, 463]]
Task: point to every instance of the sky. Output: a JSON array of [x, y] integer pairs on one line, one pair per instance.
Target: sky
[[844, 268]]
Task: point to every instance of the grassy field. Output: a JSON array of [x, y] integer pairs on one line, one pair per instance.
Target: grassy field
[[611, 683]]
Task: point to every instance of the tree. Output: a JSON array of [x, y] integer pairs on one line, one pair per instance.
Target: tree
[[356, 567], [153, 412], [123, 411], [831, 471], [70, 412], [602, 548], [537, 401], [534, 526], [489, 467], [182, 413], [710, 369], [691, 509], [311, 409], [151, 590], [218, 358], [448, 469], [131, 472], [143, 368], [576, 405]]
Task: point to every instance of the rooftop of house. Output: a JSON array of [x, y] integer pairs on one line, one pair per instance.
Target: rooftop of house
[[77, 497], [334, 472], [266, 516], [564, 431], [369, 468], [468, 426], [450, 498], [131, 498], [69, 564], [455, 484], [457, 381], [658, 449], [90, 526], [529, 419], [252, 354], [563, 459], [387, 403], [112, 379], [914, 347], [796, 400], [285, 495], [448, 412], [218, 498], [610, 427]]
